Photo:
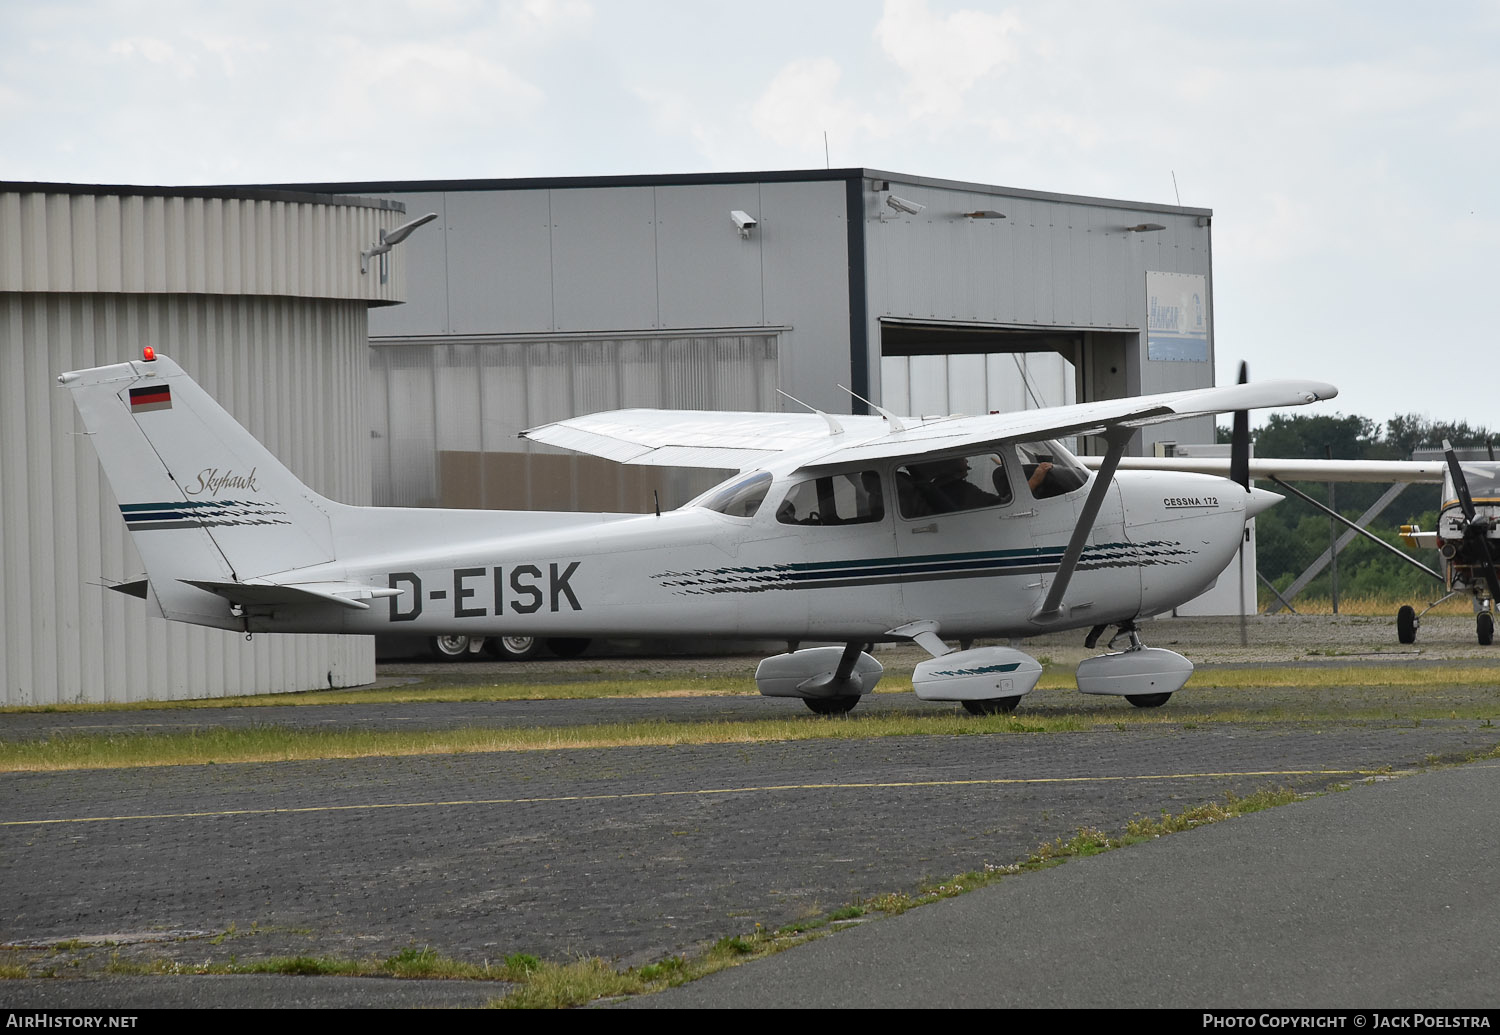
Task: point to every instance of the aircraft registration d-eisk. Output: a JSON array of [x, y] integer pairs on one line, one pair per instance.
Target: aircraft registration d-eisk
[[849, 529]]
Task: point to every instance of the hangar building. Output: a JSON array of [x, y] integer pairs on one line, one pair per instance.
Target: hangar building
[[259, 295], [531, 300]]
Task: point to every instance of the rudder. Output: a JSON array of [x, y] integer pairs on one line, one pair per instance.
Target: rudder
[[203, 500]]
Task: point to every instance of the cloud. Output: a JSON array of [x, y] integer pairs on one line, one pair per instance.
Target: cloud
[[943, 57], [803, 100]]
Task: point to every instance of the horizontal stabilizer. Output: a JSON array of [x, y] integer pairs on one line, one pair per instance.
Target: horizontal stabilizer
[[131, 589], [352, 595]]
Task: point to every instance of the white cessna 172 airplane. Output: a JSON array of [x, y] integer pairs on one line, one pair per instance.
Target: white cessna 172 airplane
[[852, 529]]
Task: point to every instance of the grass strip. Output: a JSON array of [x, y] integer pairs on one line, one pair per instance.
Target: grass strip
[[599, 686], [283, 744]]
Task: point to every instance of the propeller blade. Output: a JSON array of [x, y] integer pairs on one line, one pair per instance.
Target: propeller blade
[[1460, 483], [1239, 442]]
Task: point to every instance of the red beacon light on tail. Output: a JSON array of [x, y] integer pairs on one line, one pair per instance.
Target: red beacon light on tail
[[148, 354]]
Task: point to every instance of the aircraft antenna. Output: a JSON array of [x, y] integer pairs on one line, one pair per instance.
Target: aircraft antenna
[[896, 426], [1175, 190], [834, 427]]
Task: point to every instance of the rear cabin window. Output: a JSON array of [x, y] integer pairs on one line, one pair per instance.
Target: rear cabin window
[[951, 485], [835, 499]]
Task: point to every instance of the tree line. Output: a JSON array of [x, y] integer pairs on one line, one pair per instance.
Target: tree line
[[1291, 535]]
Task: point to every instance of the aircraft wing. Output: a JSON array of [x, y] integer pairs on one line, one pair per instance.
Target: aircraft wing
[[1384, 471], [692, 438], [696, 438]]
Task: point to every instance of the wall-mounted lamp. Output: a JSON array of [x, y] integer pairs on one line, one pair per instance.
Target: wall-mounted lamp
[[984, 213], [1142, 228], [745, 221], [388, 240]]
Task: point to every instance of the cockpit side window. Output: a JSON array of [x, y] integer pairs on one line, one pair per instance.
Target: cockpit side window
[[951, 485], [852, 498], [739, 498], [1049, 469]]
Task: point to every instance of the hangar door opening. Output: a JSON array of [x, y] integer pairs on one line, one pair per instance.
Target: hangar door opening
[[933, 369], [929, 370]]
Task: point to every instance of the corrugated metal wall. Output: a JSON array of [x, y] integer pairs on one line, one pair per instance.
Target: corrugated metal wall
[[260, 245], [259, 296], [291, 370], [446, 415]]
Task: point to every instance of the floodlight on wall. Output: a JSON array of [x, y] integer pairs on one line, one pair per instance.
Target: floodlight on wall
[[745, 221], [911, 208], [388, 240], [984, 213], [1143, 228]]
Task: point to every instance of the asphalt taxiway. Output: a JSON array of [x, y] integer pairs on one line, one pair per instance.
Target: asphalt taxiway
[[637, 853]]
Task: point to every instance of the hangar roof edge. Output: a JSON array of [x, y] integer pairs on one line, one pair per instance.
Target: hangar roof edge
[[247, 193], [668, 179]]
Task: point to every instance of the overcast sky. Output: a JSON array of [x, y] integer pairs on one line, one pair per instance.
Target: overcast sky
[[1349, 150]]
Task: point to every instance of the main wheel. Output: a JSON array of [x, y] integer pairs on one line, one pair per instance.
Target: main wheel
[[1148, 700], [1406, 624], [992, 706], [449, 648], [513, 648], [1484, 627], [568, 647], [832, 705]]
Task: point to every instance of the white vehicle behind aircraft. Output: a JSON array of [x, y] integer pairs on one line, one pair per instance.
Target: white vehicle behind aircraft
[[852, 529]]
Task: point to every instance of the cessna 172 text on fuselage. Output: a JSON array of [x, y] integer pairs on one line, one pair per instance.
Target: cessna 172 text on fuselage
[[852, 529]]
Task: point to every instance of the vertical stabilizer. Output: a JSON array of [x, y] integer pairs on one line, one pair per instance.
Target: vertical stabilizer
[[204, 501]]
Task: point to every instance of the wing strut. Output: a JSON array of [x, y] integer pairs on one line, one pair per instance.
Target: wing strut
[[1051, 608]]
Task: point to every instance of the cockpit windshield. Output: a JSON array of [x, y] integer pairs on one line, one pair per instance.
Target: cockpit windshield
[[740, 497]]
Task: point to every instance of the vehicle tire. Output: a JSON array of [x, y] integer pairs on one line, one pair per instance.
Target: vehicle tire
[[1406, 624], [1484, 626], [1148, 700], [568, 647], [832, 705], [449, 648], [992, 706], [513, 648]]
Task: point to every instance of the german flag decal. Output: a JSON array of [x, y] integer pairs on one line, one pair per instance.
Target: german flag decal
[[154, 397]]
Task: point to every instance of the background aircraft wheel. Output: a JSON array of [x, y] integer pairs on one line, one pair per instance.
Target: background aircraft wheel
[[1148, 700], [832, 705], [449, 648], [1484, 625], [513, 648], [992, 706], [567, 647], [1406, 624]]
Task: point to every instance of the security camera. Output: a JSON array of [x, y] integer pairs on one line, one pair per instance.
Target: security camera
[[744, 220], [902, 205]]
